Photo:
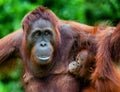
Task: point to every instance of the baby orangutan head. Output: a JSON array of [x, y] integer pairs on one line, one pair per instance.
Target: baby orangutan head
[[84, 64]]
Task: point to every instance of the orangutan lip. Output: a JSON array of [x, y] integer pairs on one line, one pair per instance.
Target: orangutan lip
[[43, 58]]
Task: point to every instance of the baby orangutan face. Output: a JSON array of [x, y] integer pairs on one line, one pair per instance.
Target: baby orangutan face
[[84, 64]]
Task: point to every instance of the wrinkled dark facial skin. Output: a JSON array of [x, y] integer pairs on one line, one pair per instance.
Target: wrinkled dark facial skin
[[40, 42], [86, 61], [82, 57]]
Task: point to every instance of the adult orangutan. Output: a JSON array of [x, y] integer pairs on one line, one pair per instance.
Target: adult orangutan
[[106, 76], [46, 46], [101, 74]]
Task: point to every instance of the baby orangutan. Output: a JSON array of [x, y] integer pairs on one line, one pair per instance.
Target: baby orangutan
[[84, 64], [82, 68]]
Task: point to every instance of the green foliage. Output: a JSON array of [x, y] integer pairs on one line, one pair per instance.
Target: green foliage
[[10, 80], [12, 13], [103, 10], [13, 86], [84, 11]]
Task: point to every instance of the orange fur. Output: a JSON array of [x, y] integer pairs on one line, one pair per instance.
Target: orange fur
[[70, 37], [106, 77]]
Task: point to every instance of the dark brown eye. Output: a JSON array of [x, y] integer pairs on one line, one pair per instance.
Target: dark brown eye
[[47, 33], [37, 33], [77, 59]]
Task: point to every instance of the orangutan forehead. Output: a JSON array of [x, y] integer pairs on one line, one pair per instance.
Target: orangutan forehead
[[42, 23]]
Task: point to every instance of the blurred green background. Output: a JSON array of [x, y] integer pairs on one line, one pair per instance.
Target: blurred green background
[[84, 11]]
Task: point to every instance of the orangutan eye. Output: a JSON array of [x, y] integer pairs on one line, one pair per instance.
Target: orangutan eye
[[37, 33], [47, 32]]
